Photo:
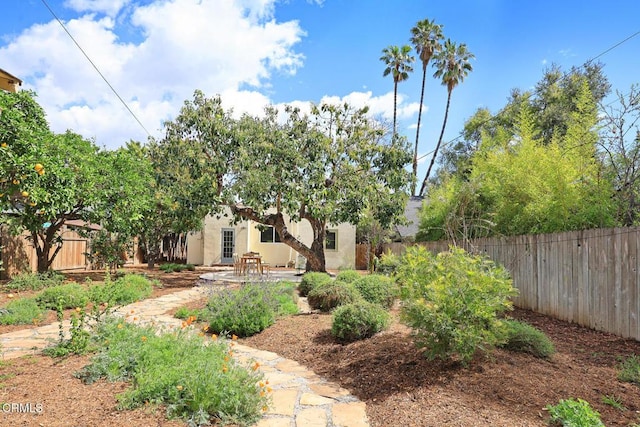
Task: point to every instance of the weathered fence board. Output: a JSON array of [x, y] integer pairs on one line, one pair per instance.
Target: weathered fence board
[[590, 277]]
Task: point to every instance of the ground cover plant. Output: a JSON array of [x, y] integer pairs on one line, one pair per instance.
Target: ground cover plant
[[574, 413], [69, 295], [630, 370], [124, 290], [171, 267], [520, 336], [196, 382]]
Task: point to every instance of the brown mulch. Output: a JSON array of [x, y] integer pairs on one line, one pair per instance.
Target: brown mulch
[[399, 386]]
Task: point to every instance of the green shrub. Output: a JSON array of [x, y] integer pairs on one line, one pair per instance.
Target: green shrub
[[630, 370], [452, 301], [329, 295], [185, 313], [21, 312], [312, 280], [250, 309], [358, 320], [286, 298], [69, 295], [199, 383], [574, 413], [171, 267], [34, 281], [387, 264], [377, 289], [524, 338], [124, 290], [348, 276]]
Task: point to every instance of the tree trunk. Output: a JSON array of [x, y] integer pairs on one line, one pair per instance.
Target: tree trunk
[[415, 148], [395, 104], [435, 152], [43, 242], [314, 254]]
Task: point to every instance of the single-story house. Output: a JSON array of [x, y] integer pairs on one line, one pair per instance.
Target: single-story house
[[220, 239], [9, 82], [408, 231]]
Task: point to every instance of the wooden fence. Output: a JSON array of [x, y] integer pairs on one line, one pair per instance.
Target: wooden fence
[[19, 255], [590, 277]]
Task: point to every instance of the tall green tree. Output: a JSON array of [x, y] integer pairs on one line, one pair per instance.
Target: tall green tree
[[452, 66], [326, 167], [426, 38], [398, 62]]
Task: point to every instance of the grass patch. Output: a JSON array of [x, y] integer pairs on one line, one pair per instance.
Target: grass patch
[[630, 370], [614, 402]]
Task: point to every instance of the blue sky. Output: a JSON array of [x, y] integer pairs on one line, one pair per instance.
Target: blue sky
[[256, 52]]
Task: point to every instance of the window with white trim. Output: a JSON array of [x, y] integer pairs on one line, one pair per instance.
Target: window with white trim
[[268, 234]]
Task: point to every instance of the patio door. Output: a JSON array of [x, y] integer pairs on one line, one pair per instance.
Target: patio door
[[228, 245]]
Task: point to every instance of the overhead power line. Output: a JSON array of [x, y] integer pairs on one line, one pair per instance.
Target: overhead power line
[[504, 110], [96, 68]]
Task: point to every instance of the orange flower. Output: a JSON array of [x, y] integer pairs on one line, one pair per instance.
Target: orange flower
[[261, 384], [262, 394], [265, 408], [120, 326], [135, 319], [78, 309], [205, 328], [224, 369], [179, 387], [226, 358], [256, 366], [269, 389], [143, 338], [234, 337], [214, 337]]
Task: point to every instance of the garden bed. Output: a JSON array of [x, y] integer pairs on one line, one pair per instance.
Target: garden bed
[[399, 386]]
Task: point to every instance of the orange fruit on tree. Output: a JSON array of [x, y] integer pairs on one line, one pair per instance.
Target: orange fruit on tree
[[25, 194], [38, 167]]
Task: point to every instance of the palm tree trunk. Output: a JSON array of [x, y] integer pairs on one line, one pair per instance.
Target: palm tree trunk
[[415, 148], [395, 104], [435, 152]]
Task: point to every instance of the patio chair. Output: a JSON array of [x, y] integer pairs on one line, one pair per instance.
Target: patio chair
[[237, 266]]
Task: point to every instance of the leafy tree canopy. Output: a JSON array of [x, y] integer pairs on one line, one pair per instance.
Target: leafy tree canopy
[[327, 167]]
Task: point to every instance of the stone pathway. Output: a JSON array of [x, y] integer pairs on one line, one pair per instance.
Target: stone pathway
[[300, 397]]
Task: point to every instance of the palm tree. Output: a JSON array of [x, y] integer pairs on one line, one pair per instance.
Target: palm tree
[[425, 37], [398, 61], [452, 66]]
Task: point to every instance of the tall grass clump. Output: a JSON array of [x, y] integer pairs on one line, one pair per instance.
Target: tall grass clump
[[358, 320], [630, 370], [377, 289], [329, 295], [524, 338], [348, 276], [452, 301], [311, 281], [199, 383]]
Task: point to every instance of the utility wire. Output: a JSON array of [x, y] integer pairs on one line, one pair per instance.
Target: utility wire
[[536, 92], [96, 68]]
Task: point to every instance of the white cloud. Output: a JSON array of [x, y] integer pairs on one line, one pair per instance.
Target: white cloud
[[379, 106], [109, 7], [219, 46]]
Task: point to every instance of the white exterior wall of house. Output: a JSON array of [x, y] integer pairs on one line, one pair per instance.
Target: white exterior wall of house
[[205, 247]]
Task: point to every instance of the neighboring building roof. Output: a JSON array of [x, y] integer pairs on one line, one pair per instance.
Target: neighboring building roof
[[9, 82], [411, 213]]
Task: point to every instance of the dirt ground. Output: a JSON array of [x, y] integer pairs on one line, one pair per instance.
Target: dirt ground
[[399, 386]]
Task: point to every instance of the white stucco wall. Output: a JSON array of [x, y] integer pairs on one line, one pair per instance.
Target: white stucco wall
[[247, 238]]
